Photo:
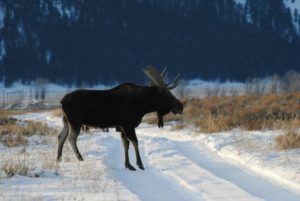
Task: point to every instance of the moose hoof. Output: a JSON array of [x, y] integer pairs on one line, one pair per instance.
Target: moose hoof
[[80, 158], [141, 166], [58, 159], [130, 167]]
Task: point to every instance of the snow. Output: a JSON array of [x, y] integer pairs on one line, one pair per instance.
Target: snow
[[50, 86], [20, 28], [25, 93], [48, 56], [254, 151], [2, 14], [179, 165], [70, 11], [294, 5], [291, 4], [201, 88], [2, 43], [58, 4], [2, 50], [21, 96], [242, 2]]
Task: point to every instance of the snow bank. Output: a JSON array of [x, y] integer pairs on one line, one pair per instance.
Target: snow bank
[[255, 151]]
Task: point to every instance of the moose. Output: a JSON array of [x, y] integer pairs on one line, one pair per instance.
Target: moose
[[122, 107]]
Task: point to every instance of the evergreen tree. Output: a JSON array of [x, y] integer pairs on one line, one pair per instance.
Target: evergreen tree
[[75, 41]]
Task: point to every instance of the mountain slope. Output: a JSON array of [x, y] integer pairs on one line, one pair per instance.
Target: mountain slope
[[101, 41]]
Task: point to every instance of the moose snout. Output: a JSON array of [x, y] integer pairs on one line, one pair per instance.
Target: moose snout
[[178, 109]]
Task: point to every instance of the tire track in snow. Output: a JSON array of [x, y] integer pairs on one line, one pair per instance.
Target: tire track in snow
[[253, 184], [165, 156], [145, 184], [177, 168]]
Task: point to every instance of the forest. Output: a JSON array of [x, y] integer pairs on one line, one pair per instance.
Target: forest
[[79, 41]]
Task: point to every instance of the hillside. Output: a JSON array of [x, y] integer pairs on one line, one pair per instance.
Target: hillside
[[105, 41]]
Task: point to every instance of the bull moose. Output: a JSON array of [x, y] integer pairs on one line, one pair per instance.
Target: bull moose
[[122, 106]]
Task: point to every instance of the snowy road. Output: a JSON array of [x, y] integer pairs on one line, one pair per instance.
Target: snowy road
[[177, 167], [183, 169]]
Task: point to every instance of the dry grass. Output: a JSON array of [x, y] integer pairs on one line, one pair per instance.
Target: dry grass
[[12, 168], [248, 112], [215, 114], [57, 112], [11, 112], [14, 133], [289, 140], [38, 128], [28, 164]]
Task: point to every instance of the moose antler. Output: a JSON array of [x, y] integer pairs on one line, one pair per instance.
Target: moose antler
[[164, 74], [154, 76], [159, 79], [176, 81]]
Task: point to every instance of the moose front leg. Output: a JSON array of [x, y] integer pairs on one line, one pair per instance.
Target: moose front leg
[[160, 120], [130, 134]]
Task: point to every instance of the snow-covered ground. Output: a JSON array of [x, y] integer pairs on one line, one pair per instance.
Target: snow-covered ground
[[179, 165], [294, 6], [21, 96]]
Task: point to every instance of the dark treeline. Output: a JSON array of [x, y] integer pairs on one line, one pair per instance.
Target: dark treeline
[[75, 41]]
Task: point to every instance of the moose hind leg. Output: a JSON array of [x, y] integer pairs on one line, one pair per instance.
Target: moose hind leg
[[125, 142], [73, 135], [130, 134], [62, 138]]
